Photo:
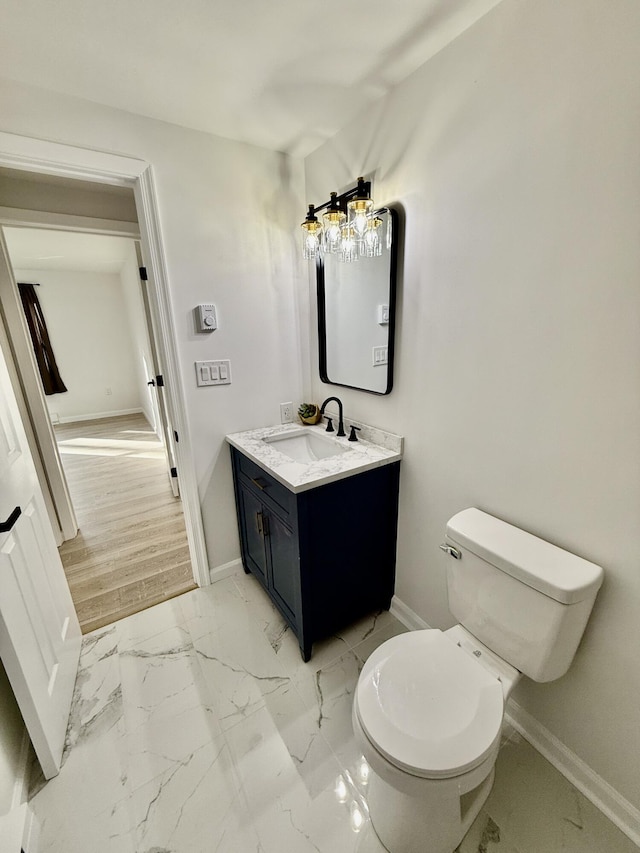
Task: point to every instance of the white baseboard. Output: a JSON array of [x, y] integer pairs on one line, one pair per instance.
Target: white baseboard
[[619, 810], [225, 570], [99, 415], [406, 615]]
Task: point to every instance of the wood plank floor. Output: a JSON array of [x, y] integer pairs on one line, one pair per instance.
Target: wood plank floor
[[131, 550]]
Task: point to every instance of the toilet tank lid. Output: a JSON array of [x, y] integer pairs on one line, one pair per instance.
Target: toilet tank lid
[[539, 564]]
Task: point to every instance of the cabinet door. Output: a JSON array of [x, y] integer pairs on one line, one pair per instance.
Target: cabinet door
[[253, 525], [285, 565]]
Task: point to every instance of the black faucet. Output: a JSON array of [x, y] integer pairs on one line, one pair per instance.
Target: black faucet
[[340, 421]]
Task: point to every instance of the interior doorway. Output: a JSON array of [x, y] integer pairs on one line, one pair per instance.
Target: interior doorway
[[102, 183], [110, 425]]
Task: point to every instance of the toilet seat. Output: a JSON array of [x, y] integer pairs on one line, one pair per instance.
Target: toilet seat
[[428, 707]]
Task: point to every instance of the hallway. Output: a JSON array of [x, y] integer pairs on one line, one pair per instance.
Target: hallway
[[131, 550]]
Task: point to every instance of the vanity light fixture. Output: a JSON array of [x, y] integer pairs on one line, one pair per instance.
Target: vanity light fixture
[[349, 227]]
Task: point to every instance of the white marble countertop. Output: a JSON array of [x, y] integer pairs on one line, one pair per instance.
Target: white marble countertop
[[373, 449]]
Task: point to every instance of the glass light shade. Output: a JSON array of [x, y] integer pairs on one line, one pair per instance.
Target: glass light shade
[[349, 249], [311, 240], [333, 222], [372, 238], [389, 233], [359, 211]]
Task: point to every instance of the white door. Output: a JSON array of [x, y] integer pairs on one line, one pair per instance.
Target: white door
[[157, 381], [39, 631]]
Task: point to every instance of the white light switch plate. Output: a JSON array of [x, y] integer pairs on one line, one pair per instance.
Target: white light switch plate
[[213, 372]]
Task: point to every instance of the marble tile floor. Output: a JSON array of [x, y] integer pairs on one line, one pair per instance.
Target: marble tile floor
[[196, 727]]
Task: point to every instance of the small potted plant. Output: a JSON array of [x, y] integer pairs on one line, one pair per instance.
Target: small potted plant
[[309, 413]]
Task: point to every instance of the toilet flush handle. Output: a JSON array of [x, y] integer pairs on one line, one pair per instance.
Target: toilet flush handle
[[452, 552]]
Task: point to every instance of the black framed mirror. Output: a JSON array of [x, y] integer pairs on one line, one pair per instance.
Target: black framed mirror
[[356, 316]]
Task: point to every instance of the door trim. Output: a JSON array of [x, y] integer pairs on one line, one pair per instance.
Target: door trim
[[16, 217], [53, 158]]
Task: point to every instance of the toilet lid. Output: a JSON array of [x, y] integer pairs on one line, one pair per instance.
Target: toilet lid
[[428, 706]]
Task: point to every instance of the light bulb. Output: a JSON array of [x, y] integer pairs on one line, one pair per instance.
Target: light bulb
[[333, 220], [310, 246], [311, 235], [359, 210], [372, 242], [348, 245]]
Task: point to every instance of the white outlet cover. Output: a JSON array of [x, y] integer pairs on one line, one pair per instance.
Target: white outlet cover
[[286, 413]]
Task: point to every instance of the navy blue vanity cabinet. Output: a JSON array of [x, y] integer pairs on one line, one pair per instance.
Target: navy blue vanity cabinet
[[325, 556]]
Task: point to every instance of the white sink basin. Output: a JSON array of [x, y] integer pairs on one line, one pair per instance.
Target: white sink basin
[[304, 446]]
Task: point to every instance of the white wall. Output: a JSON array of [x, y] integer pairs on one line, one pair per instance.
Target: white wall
[[87, 321], [227, 213], [514, 153]]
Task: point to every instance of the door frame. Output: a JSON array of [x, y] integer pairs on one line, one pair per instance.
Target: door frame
[[52, 158]]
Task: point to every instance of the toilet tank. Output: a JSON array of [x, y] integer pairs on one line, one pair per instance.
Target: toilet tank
[[526, 599]]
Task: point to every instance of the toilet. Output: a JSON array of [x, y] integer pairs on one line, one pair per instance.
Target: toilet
[[429, 704]]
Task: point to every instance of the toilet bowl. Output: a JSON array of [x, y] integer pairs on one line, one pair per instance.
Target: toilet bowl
[[430, 734], [429, 705]]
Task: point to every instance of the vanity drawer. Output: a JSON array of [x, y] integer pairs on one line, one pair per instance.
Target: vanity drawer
[[264, 484]]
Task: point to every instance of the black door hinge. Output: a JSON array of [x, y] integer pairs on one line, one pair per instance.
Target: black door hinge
[[174, 472], [160, 381], [175, 436], [143, 273]]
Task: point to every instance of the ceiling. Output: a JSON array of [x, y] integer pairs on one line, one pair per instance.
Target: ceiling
[[285, 74]]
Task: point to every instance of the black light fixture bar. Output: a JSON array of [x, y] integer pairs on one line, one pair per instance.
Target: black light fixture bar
[[361, 190]]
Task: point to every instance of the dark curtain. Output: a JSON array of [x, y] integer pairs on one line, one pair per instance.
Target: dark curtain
[[51, 379]]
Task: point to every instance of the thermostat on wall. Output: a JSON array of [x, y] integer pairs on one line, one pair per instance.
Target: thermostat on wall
[[207, 319]]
